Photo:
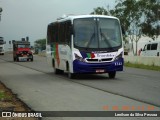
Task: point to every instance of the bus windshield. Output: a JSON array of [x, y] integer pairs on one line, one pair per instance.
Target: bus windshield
[[97, 33]]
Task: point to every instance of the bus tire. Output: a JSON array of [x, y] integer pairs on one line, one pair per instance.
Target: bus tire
[[158, 54], [112, 74], [58, 71]]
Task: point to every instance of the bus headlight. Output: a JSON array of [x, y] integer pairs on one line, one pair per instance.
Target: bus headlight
[[79, 58], [119, 56]]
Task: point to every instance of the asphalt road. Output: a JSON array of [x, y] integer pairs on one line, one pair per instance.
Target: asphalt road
[[37, 85]]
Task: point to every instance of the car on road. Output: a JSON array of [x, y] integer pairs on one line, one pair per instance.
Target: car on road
[[22, 51]]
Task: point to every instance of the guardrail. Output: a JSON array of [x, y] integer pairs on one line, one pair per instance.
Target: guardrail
[[143, 60]]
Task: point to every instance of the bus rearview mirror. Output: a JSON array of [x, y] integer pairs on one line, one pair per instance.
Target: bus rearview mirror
[[123, 31]]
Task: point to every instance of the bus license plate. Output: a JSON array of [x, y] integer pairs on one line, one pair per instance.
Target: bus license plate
[[100, 71]]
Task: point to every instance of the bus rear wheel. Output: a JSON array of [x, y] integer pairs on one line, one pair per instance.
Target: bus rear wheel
[[58, 71], [112, 74]]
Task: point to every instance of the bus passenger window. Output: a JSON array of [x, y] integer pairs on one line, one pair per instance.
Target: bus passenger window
[[148, 46], [154, 46]]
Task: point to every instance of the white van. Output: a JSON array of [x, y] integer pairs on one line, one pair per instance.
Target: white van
[[151, 49]]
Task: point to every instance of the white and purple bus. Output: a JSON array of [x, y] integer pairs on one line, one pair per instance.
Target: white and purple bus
[[85, 44]]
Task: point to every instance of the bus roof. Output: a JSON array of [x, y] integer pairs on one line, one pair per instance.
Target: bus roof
[[72, 17]]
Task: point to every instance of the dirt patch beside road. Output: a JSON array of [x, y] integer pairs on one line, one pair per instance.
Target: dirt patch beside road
[[10, 102]]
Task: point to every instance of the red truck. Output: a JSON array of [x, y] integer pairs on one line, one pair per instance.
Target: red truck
[[22, 51]]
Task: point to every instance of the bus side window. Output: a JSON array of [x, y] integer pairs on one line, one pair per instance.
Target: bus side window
[[68, 32], [149, 47], [154, 46]]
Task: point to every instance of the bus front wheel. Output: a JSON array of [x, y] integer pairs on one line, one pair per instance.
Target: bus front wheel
[[112, 74]]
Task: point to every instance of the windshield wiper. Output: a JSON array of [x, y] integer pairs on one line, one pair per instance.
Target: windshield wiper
[[105, 38], [90, 40]]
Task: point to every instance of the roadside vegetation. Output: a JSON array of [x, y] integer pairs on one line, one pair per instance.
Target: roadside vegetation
[[142, 66], [4, 96], [10, 102]]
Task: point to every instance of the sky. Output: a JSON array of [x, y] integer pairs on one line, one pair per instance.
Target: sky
[[22, 18]]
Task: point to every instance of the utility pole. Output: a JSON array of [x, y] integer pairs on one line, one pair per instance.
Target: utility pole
[[0, 12], [158, 12]]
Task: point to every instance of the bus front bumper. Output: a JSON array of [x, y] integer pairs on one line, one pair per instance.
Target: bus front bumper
[[83, 67]]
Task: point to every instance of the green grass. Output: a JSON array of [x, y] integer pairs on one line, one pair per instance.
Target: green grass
[[3, 96], [142, 66]]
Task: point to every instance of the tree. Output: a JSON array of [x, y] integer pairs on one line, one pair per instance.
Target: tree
[[151, 14], [138, 17], [145, 14], [129, 15], [40, 44], [100, 11]]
